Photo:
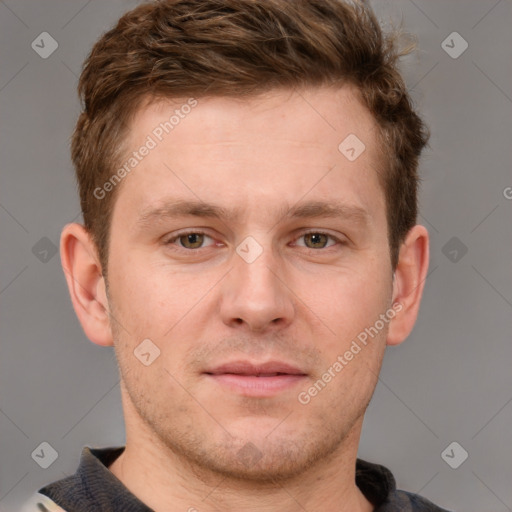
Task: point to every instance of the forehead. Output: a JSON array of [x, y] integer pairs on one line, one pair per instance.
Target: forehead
[[238, 150], [322, 110]]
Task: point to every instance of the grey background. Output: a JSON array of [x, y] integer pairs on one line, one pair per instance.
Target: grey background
[[450, 381]]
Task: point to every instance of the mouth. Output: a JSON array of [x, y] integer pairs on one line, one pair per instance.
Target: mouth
[[257, 380]]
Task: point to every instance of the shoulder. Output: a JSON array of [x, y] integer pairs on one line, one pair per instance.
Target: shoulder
[[41, 503], [378, 484], [403, 501]]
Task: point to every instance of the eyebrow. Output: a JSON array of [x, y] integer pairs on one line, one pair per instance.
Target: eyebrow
[[312, 209]]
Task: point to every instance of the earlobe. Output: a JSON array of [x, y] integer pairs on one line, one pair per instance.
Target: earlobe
[[85, 283], [408, 283]]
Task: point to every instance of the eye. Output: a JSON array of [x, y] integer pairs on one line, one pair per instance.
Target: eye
[[317, 240], [189, 240]]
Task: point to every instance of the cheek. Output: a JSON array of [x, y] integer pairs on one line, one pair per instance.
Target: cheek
[[147, 299], [351, 358], [348, 301], [169, 307]]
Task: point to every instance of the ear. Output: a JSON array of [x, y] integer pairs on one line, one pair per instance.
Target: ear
[[408, 283], [86, 284]]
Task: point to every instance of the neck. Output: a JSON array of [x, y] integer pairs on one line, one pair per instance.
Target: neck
[[166, 480], [163, 480]]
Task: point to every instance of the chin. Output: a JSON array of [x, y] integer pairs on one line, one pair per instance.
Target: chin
[[250, 463], [259, 459]]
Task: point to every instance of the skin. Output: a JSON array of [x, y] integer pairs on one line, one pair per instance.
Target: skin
[[302, 301]]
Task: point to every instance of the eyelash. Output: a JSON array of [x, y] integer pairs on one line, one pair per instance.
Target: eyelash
[[170, 241]]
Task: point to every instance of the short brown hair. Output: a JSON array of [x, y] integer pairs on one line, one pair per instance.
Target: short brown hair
[[183, 48]]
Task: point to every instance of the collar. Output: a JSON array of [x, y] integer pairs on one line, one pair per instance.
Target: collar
[[94, 488]]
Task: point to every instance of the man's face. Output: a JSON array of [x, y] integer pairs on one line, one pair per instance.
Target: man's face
[[250, 311]]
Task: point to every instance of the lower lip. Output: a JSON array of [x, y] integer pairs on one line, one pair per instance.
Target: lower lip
[[250, 385]]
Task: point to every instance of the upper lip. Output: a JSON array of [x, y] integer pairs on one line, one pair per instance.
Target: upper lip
[[248, 368]]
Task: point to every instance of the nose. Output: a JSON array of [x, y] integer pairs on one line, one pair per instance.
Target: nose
[[256, 294]]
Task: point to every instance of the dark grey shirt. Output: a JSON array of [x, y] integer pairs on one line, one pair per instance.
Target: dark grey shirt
[[93, 488]]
